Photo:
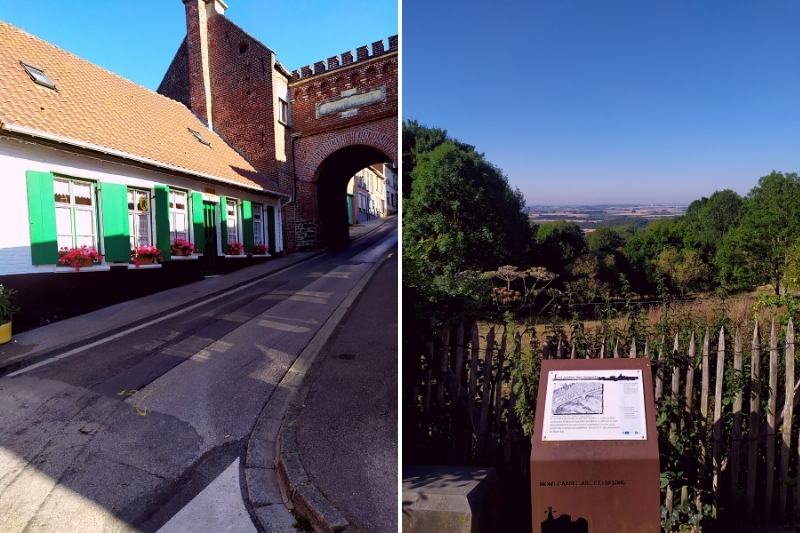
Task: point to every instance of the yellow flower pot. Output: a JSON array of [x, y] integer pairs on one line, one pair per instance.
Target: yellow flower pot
[[5, 332]]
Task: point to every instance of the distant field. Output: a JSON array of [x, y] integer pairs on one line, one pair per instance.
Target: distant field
[[590, 217]]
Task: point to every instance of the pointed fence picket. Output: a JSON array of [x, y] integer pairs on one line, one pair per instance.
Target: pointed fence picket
[[739, 452]]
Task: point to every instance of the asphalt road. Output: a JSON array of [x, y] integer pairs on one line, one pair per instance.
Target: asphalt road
[[347, 431], [123, 435]]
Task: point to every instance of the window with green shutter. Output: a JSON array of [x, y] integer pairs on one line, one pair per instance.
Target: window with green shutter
[[197, 221], [42, 218], [223, 223], [247, 225], [163, 237], [271, 228], [116, 226]]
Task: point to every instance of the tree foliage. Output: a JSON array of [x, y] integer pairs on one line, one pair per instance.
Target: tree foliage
[[461, 215], [755, 251]]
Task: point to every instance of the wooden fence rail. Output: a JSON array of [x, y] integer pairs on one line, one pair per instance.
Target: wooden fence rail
[[468, 373]]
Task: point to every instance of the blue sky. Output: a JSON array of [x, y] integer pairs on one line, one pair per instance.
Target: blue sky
[[617, 101], [137, 39]]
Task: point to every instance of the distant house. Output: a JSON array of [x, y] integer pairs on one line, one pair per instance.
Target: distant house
[[368, 190], [390, 175], [91, 159]]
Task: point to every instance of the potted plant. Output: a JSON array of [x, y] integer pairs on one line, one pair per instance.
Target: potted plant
[[79, 257], [261, 249], [7, 310], [145, 255], [182, 247], [234, 248]]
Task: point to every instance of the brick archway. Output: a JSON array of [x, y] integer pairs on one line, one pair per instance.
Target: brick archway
[[326, 145], [345, 118]]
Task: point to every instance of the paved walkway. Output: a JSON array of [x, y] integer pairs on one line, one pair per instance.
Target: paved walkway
[[78, 331], [346, 431]]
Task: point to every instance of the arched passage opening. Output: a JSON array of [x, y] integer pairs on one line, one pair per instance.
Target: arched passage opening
[[332, 177]]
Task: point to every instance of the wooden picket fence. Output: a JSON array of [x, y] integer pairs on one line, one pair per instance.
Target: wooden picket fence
[[737, 428]]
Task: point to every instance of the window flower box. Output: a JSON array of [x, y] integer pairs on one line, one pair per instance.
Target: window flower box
[[78, 258], [182, 247], [261, 249], [234, 248], [145, 255]]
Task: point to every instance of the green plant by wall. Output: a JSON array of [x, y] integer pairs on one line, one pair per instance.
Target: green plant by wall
[[7, 308]]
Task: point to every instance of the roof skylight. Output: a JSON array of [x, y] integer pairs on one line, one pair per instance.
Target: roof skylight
[[199, 136], [38, 76]]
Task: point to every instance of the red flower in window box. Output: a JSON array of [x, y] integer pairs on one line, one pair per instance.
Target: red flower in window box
[[234, 248], [261, 249], [182, 247], [79, 257], [145, 255]]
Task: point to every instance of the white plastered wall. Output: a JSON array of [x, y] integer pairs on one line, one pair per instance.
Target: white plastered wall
[[17, 157]]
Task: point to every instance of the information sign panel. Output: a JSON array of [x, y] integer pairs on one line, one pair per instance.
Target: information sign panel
[[594, 405], [594, 448]]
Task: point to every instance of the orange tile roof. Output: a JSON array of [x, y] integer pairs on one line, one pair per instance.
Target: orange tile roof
[[105, 112]]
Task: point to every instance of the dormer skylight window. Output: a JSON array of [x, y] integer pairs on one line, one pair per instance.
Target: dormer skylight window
[[199, 137], [38, 76]]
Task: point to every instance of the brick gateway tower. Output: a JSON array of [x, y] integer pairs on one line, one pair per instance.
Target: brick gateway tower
[[307, 131]]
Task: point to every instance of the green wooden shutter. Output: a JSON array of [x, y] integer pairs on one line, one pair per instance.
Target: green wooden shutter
[[116, 230], [197, 221], [247, 225], [163, 236], [223, 223], [42, 218], [271, 228]]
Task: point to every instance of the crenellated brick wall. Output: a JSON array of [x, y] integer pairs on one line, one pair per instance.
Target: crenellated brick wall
[[343, 102]]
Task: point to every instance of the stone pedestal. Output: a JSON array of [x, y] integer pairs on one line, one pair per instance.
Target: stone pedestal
[[448, 499]]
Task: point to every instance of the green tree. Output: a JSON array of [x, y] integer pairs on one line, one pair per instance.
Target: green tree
[[709, 219], [755, 251], [644, 246], [684, 270], [461, 216], [417, 139], [557, 245]]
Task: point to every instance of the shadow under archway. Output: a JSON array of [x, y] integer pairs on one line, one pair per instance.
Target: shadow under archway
[[332, 177]]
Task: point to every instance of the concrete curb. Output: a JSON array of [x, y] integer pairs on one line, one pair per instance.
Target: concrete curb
[[273, 466], [34, 357]]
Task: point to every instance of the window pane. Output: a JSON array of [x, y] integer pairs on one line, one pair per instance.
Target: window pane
[[182, 235], [64, 221], [180, 201], [83, 222], [85, 240], [82, 193], [61, 191], [180, 224], [64, 241], [143, 229], [131, 202]]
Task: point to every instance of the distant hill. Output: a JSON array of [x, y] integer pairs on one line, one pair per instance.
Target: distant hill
[[589, 217]]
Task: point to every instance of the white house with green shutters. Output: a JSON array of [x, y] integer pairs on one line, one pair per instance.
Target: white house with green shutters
[[55, 199], [90, 159]]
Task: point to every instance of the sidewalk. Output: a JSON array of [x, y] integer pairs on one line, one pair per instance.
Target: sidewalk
[[359, 230], [344, 431], [34, 345]]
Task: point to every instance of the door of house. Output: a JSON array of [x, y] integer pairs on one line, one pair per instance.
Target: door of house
[[210, 226]]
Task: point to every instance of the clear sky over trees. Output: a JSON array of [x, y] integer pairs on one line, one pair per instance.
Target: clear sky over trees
[[624, 101], [138, 39]]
